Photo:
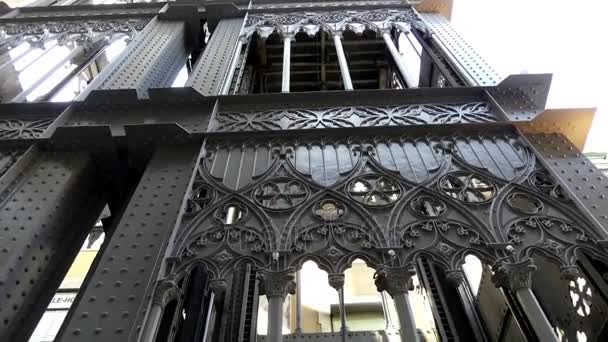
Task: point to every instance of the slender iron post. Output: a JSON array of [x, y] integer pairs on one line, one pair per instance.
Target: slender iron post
[[343, 326], [398, 61], [298, 304], [348, 84], [286, 63]]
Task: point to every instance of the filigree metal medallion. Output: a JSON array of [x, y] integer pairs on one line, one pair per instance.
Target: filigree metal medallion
[[374, 190], [281, 193], [467, 187], [329, 210]]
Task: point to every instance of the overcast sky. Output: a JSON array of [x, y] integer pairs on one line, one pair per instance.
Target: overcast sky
[[566, 38]]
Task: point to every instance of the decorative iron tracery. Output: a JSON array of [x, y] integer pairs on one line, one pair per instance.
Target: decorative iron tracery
[[287, 119], [543, 182], [427, 206], [281, 193], [467, 187], [525, 203], [374, 190], [23, 129], [381, 20], [74, 26]]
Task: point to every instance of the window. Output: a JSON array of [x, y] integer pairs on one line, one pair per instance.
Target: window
[[54, 66]]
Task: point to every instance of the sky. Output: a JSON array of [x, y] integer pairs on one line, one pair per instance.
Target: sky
[[566, 38]]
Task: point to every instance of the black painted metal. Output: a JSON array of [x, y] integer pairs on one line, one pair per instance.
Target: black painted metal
[[432, 172]]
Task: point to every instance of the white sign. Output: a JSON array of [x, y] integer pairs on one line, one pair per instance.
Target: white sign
[[62, 300]]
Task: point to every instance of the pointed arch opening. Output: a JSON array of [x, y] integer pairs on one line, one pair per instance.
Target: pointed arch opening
[[366, 308]]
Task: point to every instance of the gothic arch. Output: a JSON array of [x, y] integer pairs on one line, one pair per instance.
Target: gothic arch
[[330, 207], [403, 213]]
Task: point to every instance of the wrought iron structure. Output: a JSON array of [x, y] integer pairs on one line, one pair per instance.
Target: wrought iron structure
[[220, 190]]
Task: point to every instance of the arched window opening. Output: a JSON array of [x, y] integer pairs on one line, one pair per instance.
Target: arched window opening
[[364, 305], [166, 322], [420, 303], [195, 306], [317, 299], [473, 270]]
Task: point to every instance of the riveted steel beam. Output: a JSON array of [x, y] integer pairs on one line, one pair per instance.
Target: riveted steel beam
[[582, 180], [212, 68], [42, 232], [113, 302]]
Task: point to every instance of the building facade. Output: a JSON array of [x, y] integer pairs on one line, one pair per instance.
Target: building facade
[[280, 170]]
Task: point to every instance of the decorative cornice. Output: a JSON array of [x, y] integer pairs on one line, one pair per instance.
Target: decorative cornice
[[380, 20], [82, 26], [344, 117]]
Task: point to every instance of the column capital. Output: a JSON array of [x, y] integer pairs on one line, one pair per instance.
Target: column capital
[[218, 286], [394, 281], [166, 290], [336, 280], [276, 283], [514, 276], [455, 277]]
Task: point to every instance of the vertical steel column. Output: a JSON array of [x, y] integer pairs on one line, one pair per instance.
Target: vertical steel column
[[113, 302], [397, 283], [48, 203], [397, 58], [343, 326], [537, 318], [275, 319], [406, 317], [517, 278], [298, 303], [166, 290], [348, 84], [152, 323], [286, 63], [276, 285], [336, 280]]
